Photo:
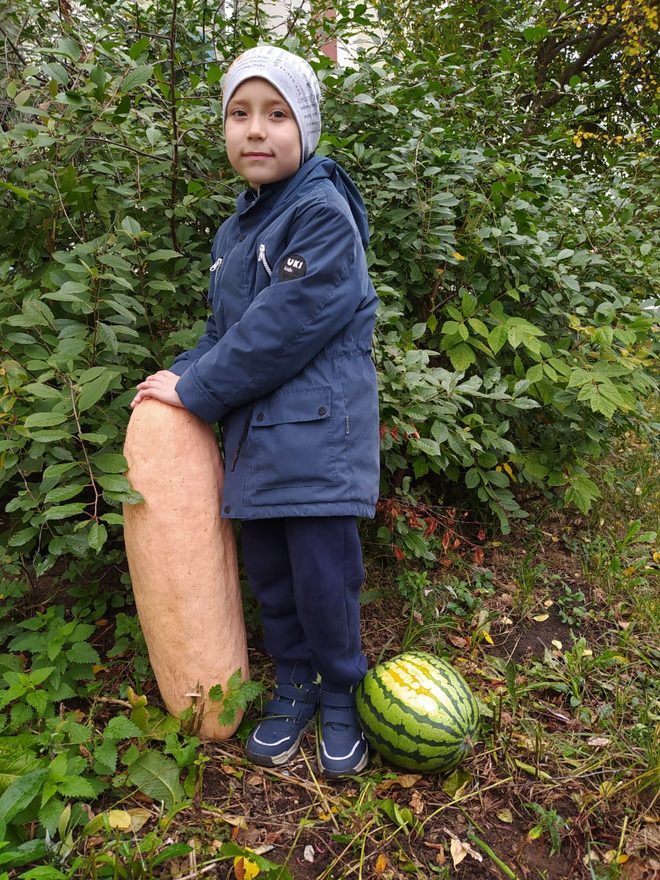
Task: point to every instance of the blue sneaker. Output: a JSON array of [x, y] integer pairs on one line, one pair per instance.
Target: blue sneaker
[[342, 748], [276, 739]]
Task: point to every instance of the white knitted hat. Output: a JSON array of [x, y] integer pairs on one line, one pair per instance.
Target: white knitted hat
[[293, 78]]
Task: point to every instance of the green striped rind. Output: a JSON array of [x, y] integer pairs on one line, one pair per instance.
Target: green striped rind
[[418, 712]]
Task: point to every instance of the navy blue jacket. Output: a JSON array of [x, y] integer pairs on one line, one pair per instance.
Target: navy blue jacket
[[285, 361]]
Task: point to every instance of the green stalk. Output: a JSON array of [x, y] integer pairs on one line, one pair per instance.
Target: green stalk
[[491, 855]]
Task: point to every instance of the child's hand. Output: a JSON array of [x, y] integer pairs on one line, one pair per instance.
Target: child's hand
[[159, 386]]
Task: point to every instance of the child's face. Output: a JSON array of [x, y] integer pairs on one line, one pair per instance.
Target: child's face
[[261, 134]]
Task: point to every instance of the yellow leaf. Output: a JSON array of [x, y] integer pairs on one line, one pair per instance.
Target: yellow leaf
[[622, 859], [487, 638], [458, 256], [119, 819], [505, 815], [508, 469], [539, 618], [556, 644], [381, 864], [139, 815], [656, 556], [535, 833], [244, 869], [548, 603]]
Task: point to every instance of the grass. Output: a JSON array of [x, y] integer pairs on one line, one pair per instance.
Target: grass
[[557, 633]]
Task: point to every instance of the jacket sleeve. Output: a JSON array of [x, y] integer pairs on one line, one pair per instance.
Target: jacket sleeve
[[288, 322]]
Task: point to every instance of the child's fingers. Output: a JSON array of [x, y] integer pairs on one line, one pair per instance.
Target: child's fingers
[[137, 399], [160, 386]]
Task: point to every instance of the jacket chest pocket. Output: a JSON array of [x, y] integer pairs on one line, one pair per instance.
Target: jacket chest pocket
[[294, 442]]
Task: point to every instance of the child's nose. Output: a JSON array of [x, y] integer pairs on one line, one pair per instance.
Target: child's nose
[[256, 128]]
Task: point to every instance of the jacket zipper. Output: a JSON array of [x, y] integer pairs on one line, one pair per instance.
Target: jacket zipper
[[262, 259], [248, 419], [216, 265]]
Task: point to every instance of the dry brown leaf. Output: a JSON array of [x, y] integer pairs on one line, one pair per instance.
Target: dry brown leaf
[[458, 851], [647, 838], [460, 846], [406, 780], [641, 869], [416, 803]]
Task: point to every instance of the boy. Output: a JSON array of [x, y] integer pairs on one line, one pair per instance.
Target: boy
[[285, 365]]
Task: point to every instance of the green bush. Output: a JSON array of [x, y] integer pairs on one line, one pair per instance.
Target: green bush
[[511, 265]]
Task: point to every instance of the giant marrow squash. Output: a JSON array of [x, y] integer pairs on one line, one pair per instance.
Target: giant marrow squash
[[182, 561]]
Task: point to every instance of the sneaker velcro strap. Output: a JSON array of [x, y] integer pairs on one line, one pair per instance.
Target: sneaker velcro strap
[[306, 693], [339, 715], [281, 709], [289, 701], [345, 700]]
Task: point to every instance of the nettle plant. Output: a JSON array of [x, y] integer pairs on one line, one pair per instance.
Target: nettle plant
[[511, 344]]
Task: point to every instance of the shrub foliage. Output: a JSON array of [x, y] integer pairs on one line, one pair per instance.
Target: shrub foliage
[[514, 242]]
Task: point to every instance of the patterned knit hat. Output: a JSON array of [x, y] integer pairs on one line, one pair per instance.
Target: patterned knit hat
[[293, 78]]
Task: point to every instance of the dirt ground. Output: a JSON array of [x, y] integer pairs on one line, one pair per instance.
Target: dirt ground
[[394, 824], [323, 831]]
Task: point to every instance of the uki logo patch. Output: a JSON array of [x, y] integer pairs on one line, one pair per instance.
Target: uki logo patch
[[293, 266]]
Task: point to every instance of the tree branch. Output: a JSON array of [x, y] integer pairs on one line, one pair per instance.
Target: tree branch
[[175, 128]]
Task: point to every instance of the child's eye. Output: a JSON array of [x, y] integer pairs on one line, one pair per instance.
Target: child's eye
[[279, 114], [237, 112]]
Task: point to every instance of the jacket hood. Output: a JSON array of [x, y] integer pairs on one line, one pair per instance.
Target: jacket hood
[[349, 192], [310, 173]]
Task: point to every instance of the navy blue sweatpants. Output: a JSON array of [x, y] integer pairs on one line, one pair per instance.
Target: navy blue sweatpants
[[306, 573]]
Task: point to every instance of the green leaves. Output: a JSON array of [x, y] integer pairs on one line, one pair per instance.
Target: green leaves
[[237, 696], [45, 419], [581, 491], [157, 776], [93, 391], [502, 254], [137, 77], [20, 794]]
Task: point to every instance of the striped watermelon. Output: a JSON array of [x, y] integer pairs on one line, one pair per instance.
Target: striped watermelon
[[418, 712]]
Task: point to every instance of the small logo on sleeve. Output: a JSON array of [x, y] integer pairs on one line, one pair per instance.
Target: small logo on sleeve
[[293, 266]]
